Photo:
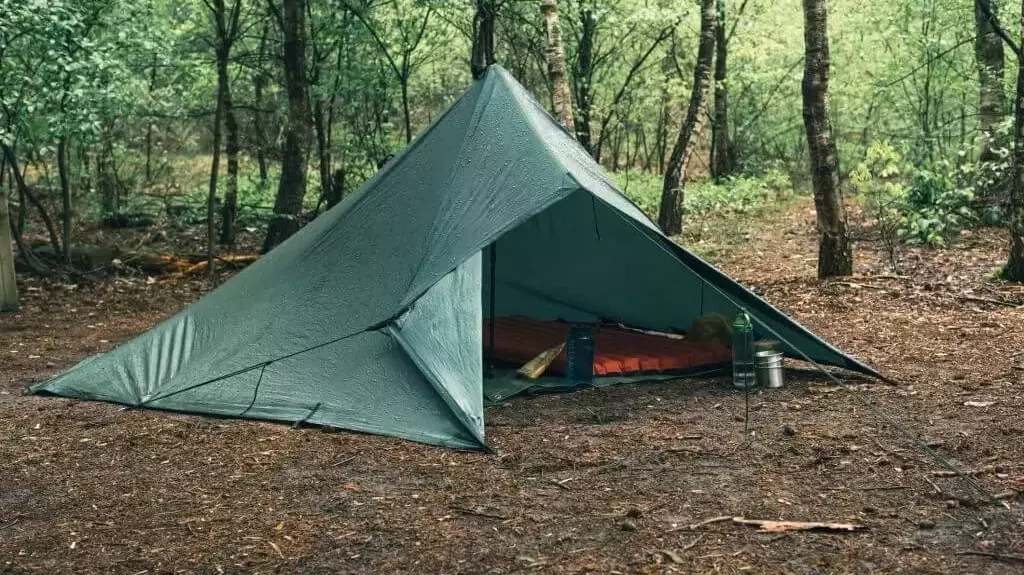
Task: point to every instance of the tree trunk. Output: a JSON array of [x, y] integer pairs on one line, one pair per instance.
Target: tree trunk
[[26, 193], [149, 125], [337, 192], [670, 212], [8, 281], [259, 83], [323, 149], [229, 211], [483, 37], [722, 160], [835, 257], [560, 93], [1014, 270], [989, 58], [584, 77], [65, 194], [292, 187], [211, 196]]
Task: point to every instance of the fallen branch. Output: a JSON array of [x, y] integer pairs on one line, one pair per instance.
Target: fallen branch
[[987, 300], [467, 511], [783, 526], [852, 285], [973, 472], [1001, 556]]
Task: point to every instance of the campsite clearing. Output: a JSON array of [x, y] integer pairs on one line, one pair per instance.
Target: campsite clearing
[[600, 481]]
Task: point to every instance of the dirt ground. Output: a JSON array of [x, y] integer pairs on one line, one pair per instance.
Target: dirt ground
[[621, 480]]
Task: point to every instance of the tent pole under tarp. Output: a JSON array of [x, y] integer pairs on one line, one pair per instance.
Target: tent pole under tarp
[[493, 256]]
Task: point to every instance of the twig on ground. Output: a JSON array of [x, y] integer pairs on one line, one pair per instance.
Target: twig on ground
[[986, 469], [1002, 556], [935, 487], [693, 543], [987, 300], [468, 511], [344, 461]]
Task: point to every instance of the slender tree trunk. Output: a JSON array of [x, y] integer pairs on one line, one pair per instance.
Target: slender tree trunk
[[835, 257], [211, 196], [482, 54], [1014, 270], [670, 212], [555, 54], [292, 187], [229, 210], [259, 83], [406, 114], [65, 194], [323, 148], [722, 160], [149, 125], [30, 196], [8, 281], [584, 77]]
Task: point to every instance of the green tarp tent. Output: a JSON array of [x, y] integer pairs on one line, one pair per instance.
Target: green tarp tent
[[370, 318]]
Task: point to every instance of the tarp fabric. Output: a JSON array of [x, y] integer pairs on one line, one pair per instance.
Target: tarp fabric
[[369, 318]]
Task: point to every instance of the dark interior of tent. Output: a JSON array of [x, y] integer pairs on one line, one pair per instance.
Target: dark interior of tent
[[582, 262]]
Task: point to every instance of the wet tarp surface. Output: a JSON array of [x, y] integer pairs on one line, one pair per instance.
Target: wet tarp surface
[[370, 317]]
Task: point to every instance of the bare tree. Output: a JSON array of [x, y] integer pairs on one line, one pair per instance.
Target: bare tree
[[291, 19], [561, 95], [835, 257], [670, 211]]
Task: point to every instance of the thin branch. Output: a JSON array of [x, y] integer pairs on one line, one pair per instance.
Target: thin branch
[[987, 9]]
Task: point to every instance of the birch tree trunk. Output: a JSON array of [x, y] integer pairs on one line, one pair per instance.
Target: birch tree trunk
[[560, 93], [670, 211], [835, 257]]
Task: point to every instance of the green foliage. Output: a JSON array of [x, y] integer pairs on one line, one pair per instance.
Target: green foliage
[[919, 206], [705, 198], [938, 205]]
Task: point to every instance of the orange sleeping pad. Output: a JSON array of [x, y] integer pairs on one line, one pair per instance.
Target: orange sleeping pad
[[616, 351]]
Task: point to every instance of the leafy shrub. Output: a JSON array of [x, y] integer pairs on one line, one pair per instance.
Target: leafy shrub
[[918, 206], [702, 198], [938, 205]]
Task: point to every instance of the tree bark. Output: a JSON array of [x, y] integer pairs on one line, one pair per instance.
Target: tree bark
[[555, 54], [670, 212], [65, 195], [722, 159], [990, 61], [835, 257], [259, 83], [8, 280], [211, 196], [1014, 270], [482, 54], [229, 210], [584, 77], [292, 188]]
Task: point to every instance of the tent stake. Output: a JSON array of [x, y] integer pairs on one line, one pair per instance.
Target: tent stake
[[308, 415]]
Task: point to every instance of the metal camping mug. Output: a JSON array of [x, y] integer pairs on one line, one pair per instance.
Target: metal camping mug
[[769, 368]]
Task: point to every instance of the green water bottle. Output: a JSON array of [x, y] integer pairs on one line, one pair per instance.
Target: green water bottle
[[743, 376]]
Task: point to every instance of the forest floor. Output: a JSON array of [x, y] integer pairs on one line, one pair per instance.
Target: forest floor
[[612, 480]]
